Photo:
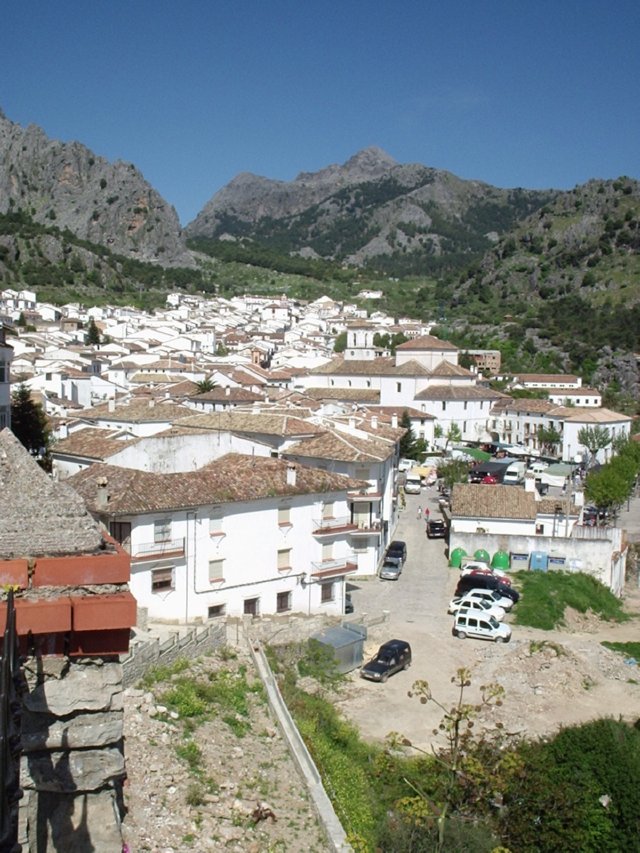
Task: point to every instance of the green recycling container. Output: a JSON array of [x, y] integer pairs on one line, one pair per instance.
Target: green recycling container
[[500, 560], [455, 558], [483, 555]]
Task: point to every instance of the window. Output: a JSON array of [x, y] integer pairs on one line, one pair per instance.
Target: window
[[251, 606], [215, 523], [326, 592], [2, 372], [283, 602], [328, 510], [162, 580], [216, 570], [284, 516], [121, 531], [284, 559], [398, 387], [162, 530], [444, 406], [216, 610], [465, 405]]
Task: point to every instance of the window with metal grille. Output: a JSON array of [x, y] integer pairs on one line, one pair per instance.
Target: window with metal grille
[[284, 516], [251, 606], [216, 570], [162, 530], [162, 580], [327, 592], [283, 602]]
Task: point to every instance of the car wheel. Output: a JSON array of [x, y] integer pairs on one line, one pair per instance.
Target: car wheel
[[499, 639], [384, 677], [461, 635], [407, 665]]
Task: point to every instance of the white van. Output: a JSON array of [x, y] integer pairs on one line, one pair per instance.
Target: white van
[[514, 475], [470, 623], [412, 483]]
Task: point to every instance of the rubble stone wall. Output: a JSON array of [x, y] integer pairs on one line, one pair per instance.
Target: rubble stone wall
[[72, 766]]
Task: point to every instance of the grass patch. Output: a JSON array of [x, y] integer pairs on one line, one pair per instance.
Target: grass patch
[[545, 595], [158, 674], [629, 650], [225, 692]]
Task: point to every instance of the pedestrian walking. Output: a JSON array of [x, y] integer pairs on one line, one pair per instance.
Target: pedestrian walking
[[426, 513], [419, 512]]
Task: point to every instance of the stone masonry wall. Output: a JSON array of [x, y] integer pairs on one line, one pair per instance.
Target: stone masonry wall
[[72, 766]]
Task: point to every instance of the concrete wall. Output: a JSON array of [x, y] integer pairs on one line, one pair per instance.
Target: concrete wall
[[596, 551]]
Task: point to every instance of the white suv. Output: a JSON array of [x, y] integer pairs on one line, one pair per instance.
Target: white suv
[[471, 623], [491, 596]]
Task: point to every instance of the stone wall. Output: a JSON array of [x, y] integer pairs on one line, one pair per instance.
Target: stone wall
[[150, 653], [72, 766]]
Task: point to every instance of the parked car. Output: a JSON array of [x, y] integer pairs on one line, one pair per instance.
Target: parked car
[[469, 582], [405, 464], [467, 602], [483, 569], [436, 529], [469, 623], [492, 596], [391, 569], [398, 549], [391, 657]]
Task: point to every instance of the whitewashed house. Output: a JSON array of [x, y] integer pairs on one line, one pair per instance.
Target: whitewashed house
[[243, 536]]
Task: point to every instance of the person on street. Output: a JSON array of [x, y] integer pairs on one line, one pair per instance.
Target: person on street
[[419, 512]]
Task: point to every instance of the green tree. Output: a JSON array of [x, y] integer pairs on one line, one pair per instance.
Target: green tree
[[607, 488], [409, 448], [340, 343], [594, 439], [93, 333], [549, 439], [453, 435], [30, 426], [453, 471], [205, 385]]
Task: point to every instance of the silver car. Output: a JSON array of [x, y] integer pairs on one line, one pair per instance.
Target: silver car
[[391, 569]]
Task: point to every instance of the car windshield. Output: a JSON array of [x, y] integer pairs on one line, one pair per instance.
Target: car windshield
[[493, 622]]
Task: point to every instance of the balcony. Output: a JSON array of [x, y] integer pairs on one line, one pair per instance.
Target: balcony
[[333, 526], [157, 550], [371, 494], [335, 568], [366, 527]]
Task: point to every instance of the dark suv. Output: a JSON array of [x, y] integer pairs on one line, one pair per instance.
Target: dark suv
[[397, 549], [468, 582], [391, 657]]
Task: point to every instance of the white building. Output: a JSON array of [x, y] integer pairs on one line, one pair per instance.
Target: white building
[[245, 535]]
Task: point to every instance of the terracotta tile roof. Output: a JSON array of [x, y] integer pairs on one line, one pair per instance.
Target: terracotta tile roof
[[230, 479], [457, 392], [589, 415], [427, 342], [154, 378], [445, 368], [343, 447], [389, 411], [370, 367], [136, 411], [361, 395], [471, 500], [565, 378], [249, 422], [39, 516], [235, 395], [525, 405], [90, 443]]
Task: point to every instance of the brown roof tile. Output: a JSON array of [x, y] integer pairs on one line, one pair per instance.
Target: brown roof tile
[[477, 500]]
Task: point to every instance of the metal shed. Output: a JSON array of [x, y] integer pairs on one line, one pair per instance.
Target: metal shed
[[347, 642]]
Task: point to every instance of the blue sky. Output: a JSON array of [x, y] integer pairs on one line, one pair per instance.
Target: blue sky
[[514, 93]]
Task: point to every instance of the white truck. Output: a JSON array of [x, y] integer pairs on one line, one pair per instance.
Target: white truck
[[413, 482]]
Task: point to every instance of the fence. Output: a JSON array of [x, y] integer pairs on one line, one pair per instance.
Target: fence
[[143, 656]]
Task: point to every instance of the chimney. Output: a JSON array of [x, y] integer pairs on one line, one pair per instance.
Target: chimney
[[227, 390], [63, 430], [291, 474], [352, 423], [394, 421], [102, 496], [152, 402], [374, 422], [111, 406]]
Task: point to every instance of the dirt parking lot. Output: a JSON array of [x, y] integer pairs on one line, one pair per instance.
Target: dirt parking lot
[[566, 677]]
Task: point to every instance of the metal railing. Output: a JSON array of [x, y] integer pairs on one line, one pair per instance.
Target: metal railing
[[10, 705], [156, 549]]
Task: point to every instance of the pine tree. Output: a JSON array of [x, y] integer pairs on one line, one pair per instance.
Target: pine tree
[[93, 333], [29, 425]]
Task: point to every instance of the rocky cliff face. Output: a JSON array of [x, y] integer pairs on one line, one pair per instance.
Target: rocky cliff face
[[66, 185], [368, 208]]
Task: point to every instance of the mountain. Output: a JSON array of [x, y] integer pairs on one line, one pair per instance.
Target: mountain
[[65, 184], [369, 212]]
